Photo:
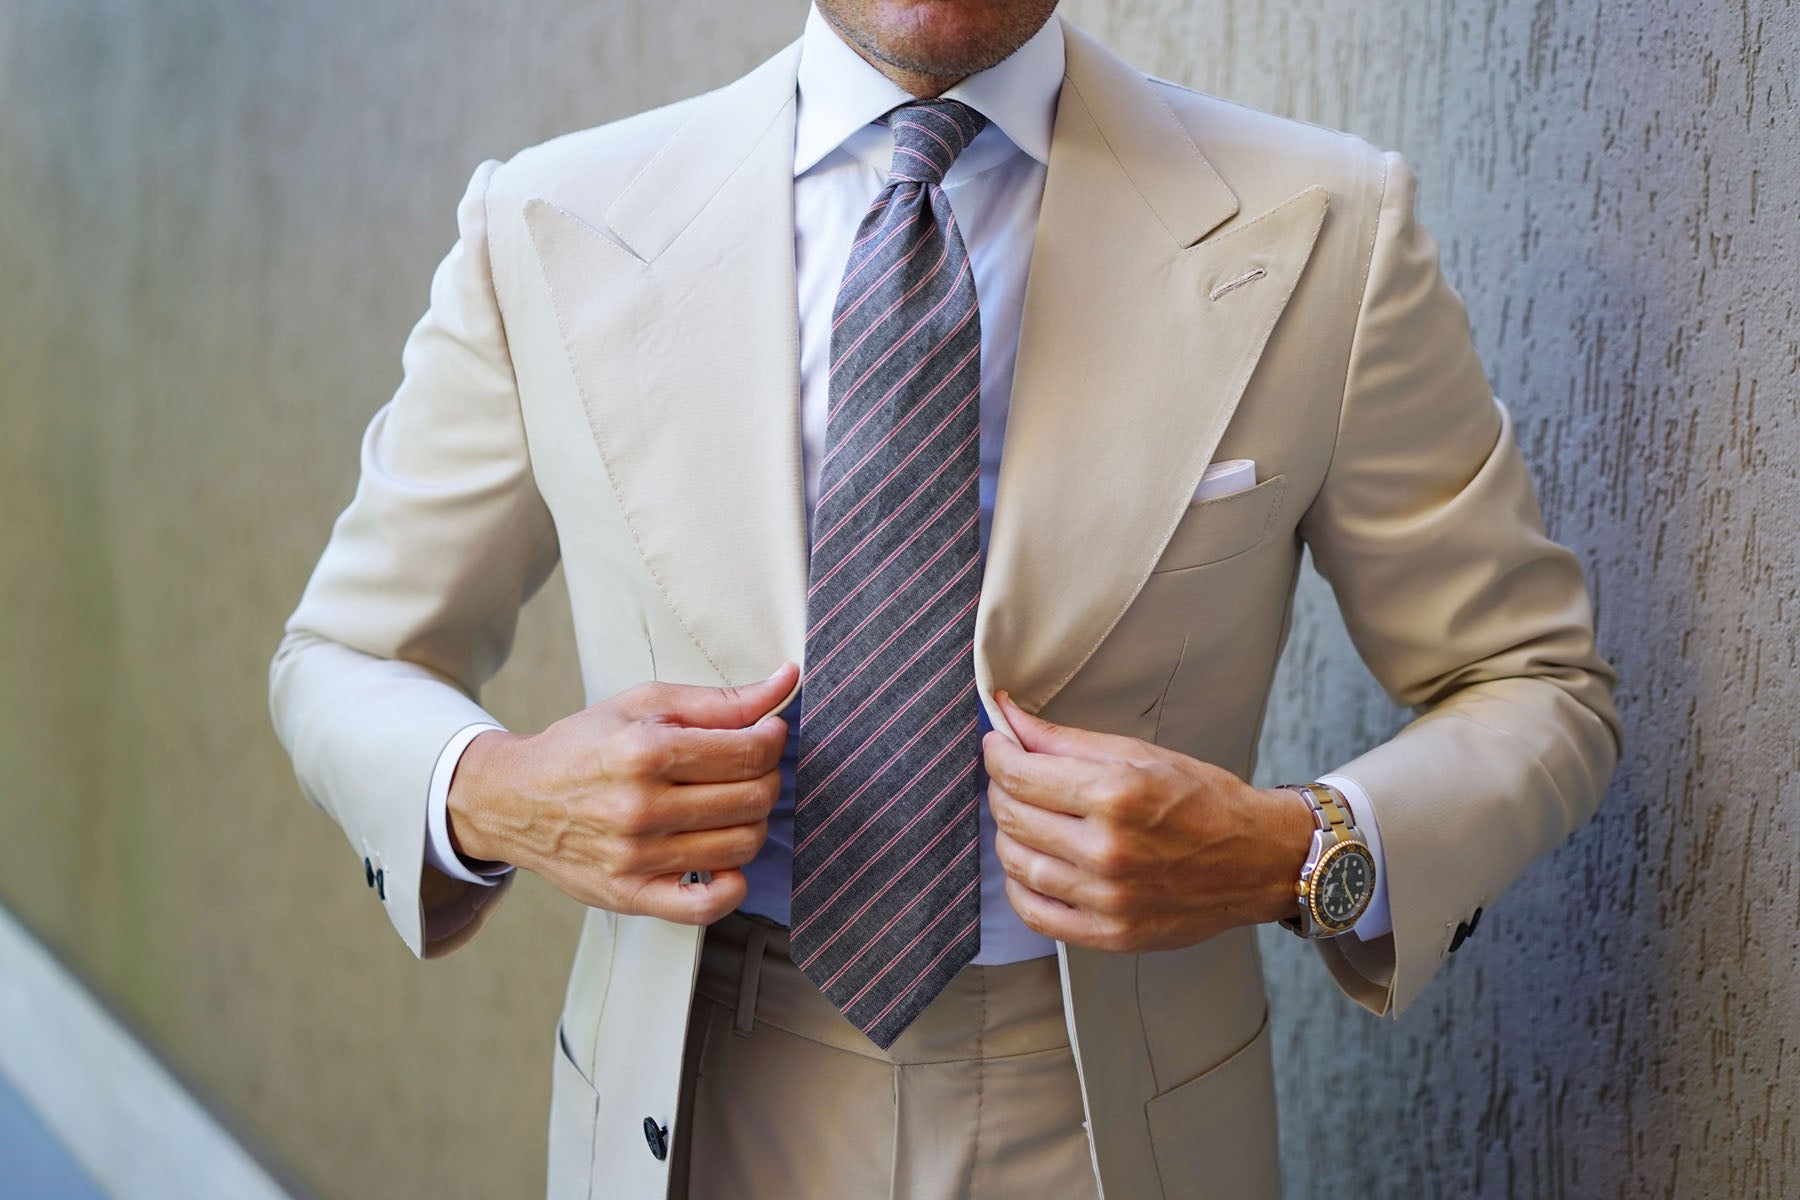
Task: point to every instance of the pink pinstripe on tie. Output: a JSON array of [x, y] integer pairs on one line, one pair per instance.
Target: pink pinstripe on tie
[[886, 889]]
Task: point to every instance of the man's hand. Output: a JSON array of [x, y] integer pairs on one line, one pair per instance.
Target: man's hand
[[614, 804], [1116, 844]]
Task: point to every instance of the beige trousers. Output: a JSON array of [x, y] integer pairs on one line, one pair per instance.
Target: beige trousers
[[782, 1098]]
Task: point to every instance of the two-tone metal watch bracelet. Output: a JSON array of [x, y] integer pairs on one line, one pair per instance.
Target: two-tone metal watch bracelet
[[1338, 879], [1329, 807]]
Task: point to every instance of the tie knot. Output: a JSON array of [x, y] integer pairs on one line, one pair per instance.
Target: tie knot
[[928, 135]]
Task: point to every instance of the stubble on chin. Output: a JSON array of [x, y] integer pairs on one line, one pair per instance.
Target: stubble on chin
[[912, 51]]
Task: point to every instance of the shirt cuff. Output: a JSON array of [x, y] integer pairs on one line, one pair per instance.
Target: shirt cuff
[[1376, 921], [440, 851]]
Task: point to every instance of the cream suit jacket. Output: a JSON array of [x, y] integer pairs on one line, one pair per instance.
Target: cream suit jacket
[[608, 372]]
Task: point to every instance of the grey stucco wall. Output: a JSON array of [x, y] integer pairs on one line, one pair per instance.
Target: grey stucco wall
[[1617, 191], [216, 225]]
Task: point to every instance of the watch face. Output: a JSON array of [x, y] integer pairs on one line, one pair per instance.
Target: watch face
[[1346, 883]]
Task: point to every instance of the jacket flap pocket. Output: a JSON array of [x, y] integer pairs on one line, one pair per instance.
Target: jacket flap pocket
[[574, 1107], [1214, 1136]]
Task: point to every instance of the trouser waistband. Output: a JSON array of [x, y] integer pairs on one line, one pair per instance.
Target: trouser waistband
[[985, 1012]]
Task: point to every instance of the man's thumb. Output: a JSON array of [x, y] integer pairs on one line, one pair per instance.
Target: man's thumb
[[745, 704], [1040, 736]]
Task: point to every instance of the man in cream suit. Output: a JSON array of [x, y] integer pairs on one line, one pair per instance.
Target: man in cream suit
[[1207, 337]]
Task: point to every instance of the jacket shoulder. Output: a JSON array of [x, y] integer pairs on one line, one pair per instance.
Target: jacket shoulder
[[600, 159]]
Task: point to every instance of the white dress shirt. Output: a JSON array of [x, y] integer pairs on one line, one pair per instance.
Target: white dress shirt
[[995, 187]]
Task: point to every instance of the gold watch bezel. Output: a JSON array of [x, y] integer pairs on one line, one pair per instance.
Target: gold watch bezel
[[1326, 859]]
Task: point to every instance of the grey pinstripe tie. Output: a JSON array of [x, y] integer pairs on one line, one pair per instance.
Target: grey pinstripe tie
[[887, 878]]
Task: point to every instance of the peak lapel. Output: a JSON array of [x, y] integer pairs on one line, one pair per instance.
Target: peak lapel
[[680, 329], [1128, 369]]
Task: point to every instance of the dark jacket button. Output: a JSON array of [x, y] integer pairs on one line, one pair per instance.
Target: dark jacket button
[[1462, 935], [380, 883], [1475, 922], [369, 872], [658, 1137]]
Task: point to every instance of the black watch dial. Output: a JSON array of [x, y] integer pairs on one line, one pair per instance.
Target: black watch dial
[[1345, 887]]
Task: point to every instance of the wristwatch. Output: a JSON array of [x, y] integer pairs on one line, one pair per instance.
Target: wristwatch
[[1338, 880]]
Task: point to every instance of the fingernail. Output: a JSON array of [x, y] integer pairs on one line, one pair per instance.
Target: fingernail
[[777, 670]]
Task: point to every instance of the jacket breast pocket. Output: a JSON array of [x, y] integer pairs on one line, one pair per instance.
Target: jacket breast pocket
[[1224, 527]]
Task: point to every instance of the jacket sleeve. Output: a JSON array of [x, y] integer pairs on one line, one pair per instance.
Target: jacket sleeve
[[1428, 530], [413, 603]]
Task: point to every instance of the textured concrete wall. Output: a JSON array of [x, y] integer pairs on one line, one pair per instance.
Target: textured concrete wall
[[1617, 191], [216, 225]]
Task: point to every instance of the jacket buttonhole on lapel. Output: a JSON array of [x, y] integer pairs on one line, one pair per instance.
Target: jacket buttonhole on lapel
[[1232, 285]]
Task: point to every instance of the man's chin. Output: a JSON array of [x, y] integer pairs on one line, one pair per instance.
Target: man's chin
[[947, 39], [946, 66]]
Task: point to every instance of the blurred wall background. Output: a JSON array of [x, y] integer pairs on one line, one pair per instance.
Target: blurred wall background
[[217, 222]]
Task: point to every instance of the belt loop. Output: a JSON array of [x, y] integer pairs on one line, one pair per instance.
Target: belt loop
[[750, 976]]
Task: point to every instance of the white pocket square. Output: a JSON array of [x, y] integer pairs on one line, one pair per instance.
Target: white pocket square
[[1224, 478]]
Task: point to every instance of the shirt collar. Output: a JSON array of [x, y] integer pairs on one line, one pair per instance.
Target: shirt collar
[[840, 93]]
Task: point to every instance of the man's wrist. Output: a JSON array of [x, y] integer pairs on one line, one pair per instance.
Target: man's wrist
[[474, 796], [1292, 831]]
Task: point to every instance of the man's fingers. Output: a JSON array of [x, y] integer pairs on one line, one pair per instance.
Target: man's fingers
[[1044, 830], [702, 850], [1046, 737], [1077, 786], [694, 807], [690, 755], [1043, 873], [666, 896], [710, 707], [1052, 918]]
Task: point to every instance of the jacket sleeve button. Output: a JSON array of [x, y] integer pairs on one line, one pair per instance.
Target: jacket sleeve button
[[658, 1138], [381, 883], [1462, 935], [369, 872]]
